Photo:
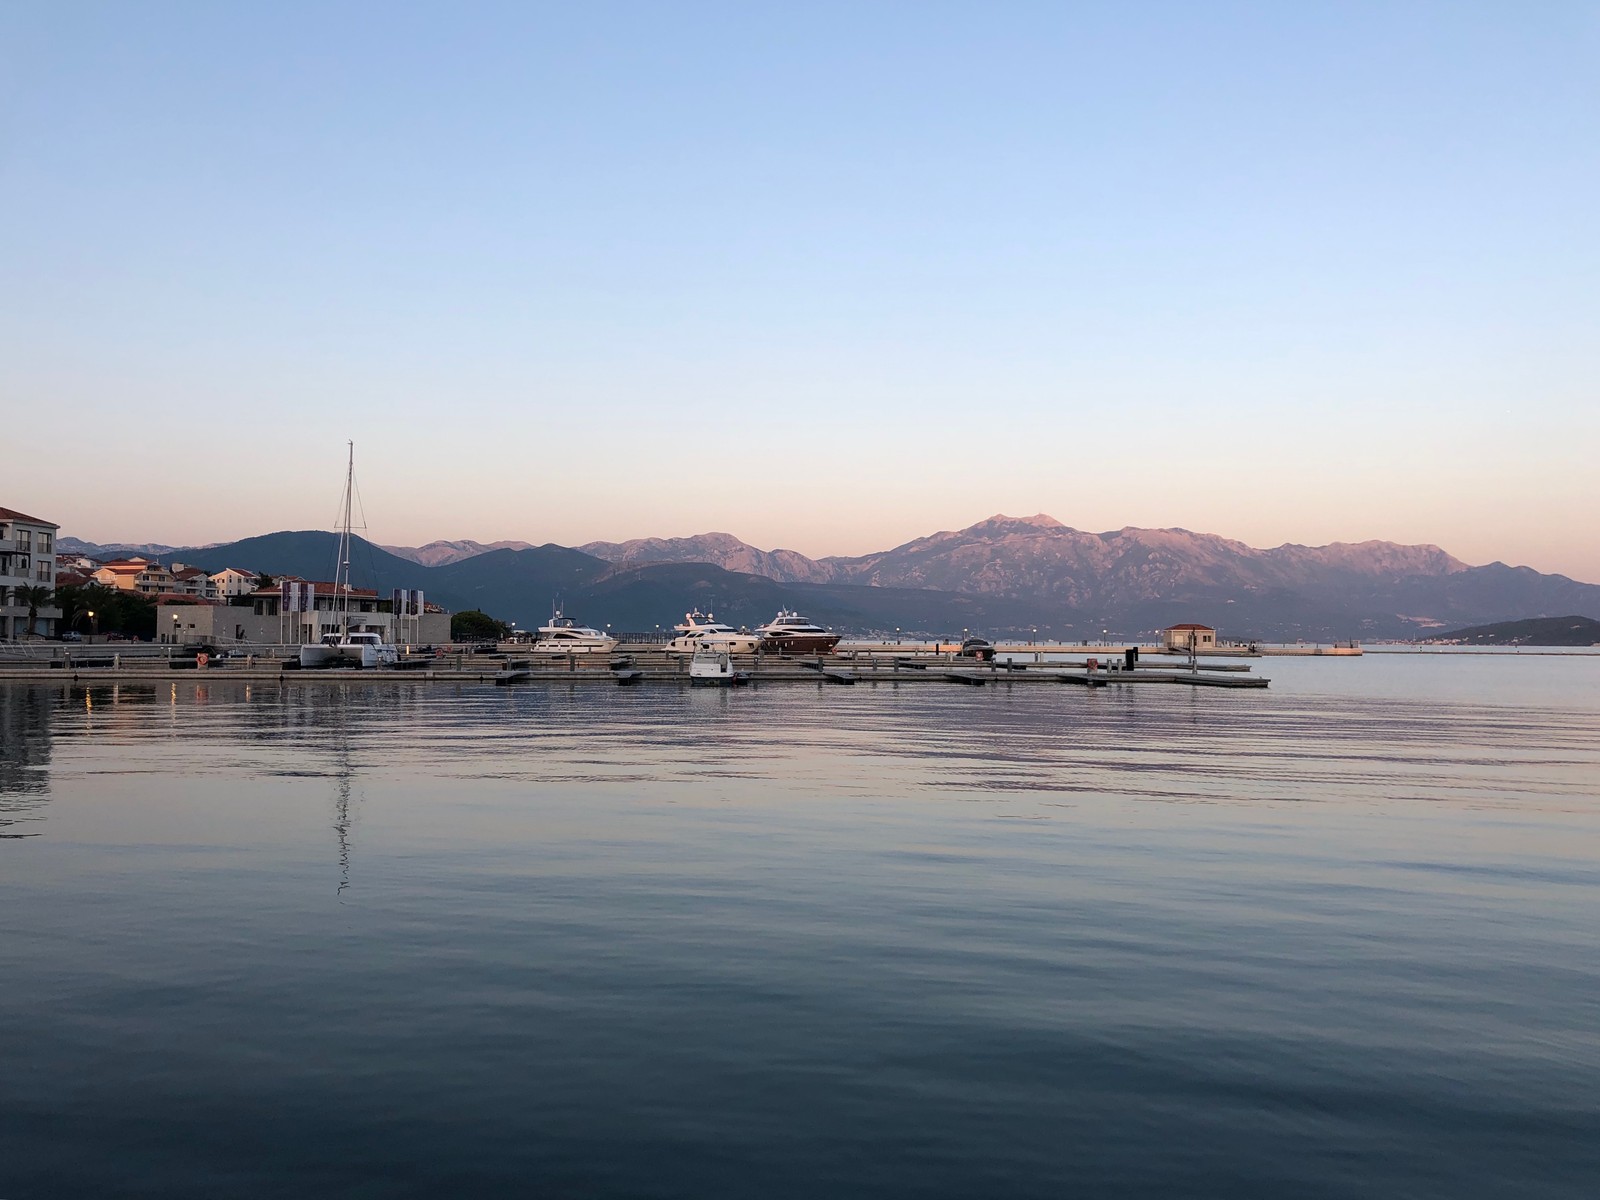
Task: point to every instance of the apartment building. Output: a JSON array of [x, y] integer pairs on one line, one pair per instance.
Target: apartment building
[[27, 560], [136, 575], [230, 582]]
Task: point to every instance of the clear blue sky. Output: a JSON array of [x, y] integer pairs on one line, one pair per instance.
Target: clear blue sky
[[824, 276]]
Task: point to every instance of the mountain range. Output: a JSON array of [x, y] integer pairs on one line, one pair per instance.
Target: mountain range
[[1002, 575]]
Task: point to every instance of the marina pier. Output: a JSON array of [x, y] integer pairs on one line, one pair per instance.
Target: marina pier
[[638, 664]]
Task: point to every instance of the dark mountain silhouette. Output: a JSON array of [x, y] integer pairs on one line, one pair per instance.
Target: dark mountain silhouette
[[1541, 631], [310, 554]]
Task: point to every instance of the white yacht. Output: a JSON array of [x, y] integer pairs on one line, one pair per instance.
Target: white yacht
[[350, 650], [345, 647], [702, 629], [565, 636], [790, 633]]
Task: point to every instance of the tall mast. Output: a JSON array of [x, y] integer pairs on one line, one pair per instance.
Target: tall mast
[[343, 581]]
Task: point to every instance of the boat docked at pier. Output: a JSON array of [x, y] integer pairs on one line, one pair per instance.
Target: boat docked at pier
[[702, 629], [344, 647], [350, 650], [563, 635], [790, 633], [712, 666]]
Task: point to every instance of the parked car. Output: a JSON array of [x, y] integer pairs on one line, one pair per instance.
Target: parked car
[[72, 635]]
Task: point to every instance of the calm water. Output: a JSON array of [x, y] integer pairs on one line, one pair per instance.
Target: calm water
[[1336, 939]]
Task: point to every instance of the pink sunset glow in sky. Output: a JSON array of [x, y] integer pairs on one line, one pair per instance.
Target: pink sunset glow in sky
[[826, 279]]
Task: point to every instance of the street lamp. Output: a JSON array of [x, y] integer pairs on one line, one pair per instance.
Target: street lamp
[[174, 629], [93, 628]]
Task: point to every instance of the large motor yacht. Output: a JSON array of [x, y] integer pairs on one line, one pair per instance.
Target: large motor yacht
[[565, 636], [702, 629], [790, 633]]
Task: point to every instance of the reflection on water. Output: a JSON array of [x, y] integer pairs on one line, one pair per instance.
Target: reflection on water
[[1332, 939], [24, 756]]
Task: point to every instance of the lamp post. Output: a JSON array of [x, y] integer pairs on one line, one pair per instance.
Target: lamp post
[[93, 628], [174, 629]]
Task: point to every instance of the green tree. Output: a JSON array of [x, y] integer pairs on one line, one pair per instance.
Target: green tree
[[77, 601], [35, 596], [264, 580], [475, 626]]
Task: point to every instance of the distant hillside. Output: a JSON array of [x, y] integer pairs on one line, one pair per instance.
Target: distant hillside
[[1541, 631], [720, 549], [438, 554], [105, 552], [310, 554]]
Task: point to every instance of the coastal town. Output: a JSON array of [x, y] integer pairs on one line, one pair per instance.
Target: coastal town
[[49, 596], [246, 619]]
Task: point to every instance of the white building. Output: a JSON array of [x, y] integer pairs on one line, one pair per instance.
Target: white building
[[267, 621], [27, 560], [230, 582], [192, 581]]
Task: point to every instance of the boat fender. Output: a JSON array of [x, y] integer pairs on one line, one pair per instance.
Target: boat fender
[[201, 659]]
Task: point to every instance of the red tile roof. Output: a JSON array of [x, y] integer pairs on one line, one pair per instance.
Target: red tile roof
[[1191, 625], [322, 588], [11, 514]]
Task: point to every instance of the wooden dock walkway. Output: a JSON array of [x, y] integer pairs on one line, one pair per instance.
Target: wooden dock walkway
[[641, 666]]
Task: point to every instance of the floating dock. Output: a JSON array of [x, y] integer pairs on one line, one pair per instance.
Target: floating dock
[[645, 665]]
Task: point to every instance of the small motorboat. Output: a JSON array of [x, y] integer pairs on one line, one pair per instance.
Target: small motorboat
[[713, 667]]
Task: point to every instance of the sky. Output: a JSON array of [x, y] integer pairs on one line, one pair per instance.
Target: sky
[[825, 276]]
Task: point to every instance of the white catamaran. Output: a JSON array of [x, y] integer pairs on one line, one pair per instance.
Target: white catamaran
[[344, 647]]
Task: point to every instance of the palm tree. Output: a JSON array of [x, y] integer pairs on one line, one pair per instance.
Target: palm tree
[[35, 597]]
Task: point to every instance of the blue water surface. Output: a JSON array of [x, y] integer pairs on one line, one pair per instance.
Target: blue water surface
[[1337, 938]]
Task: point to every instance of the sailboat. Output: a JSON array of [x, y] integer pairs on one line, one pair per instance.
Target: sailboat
[[343, 648]]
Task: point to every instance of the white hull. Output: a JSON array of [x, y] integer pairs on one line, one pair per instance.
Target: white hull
[[712, 668], [344, 655], [600, 646], [728, 643]]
